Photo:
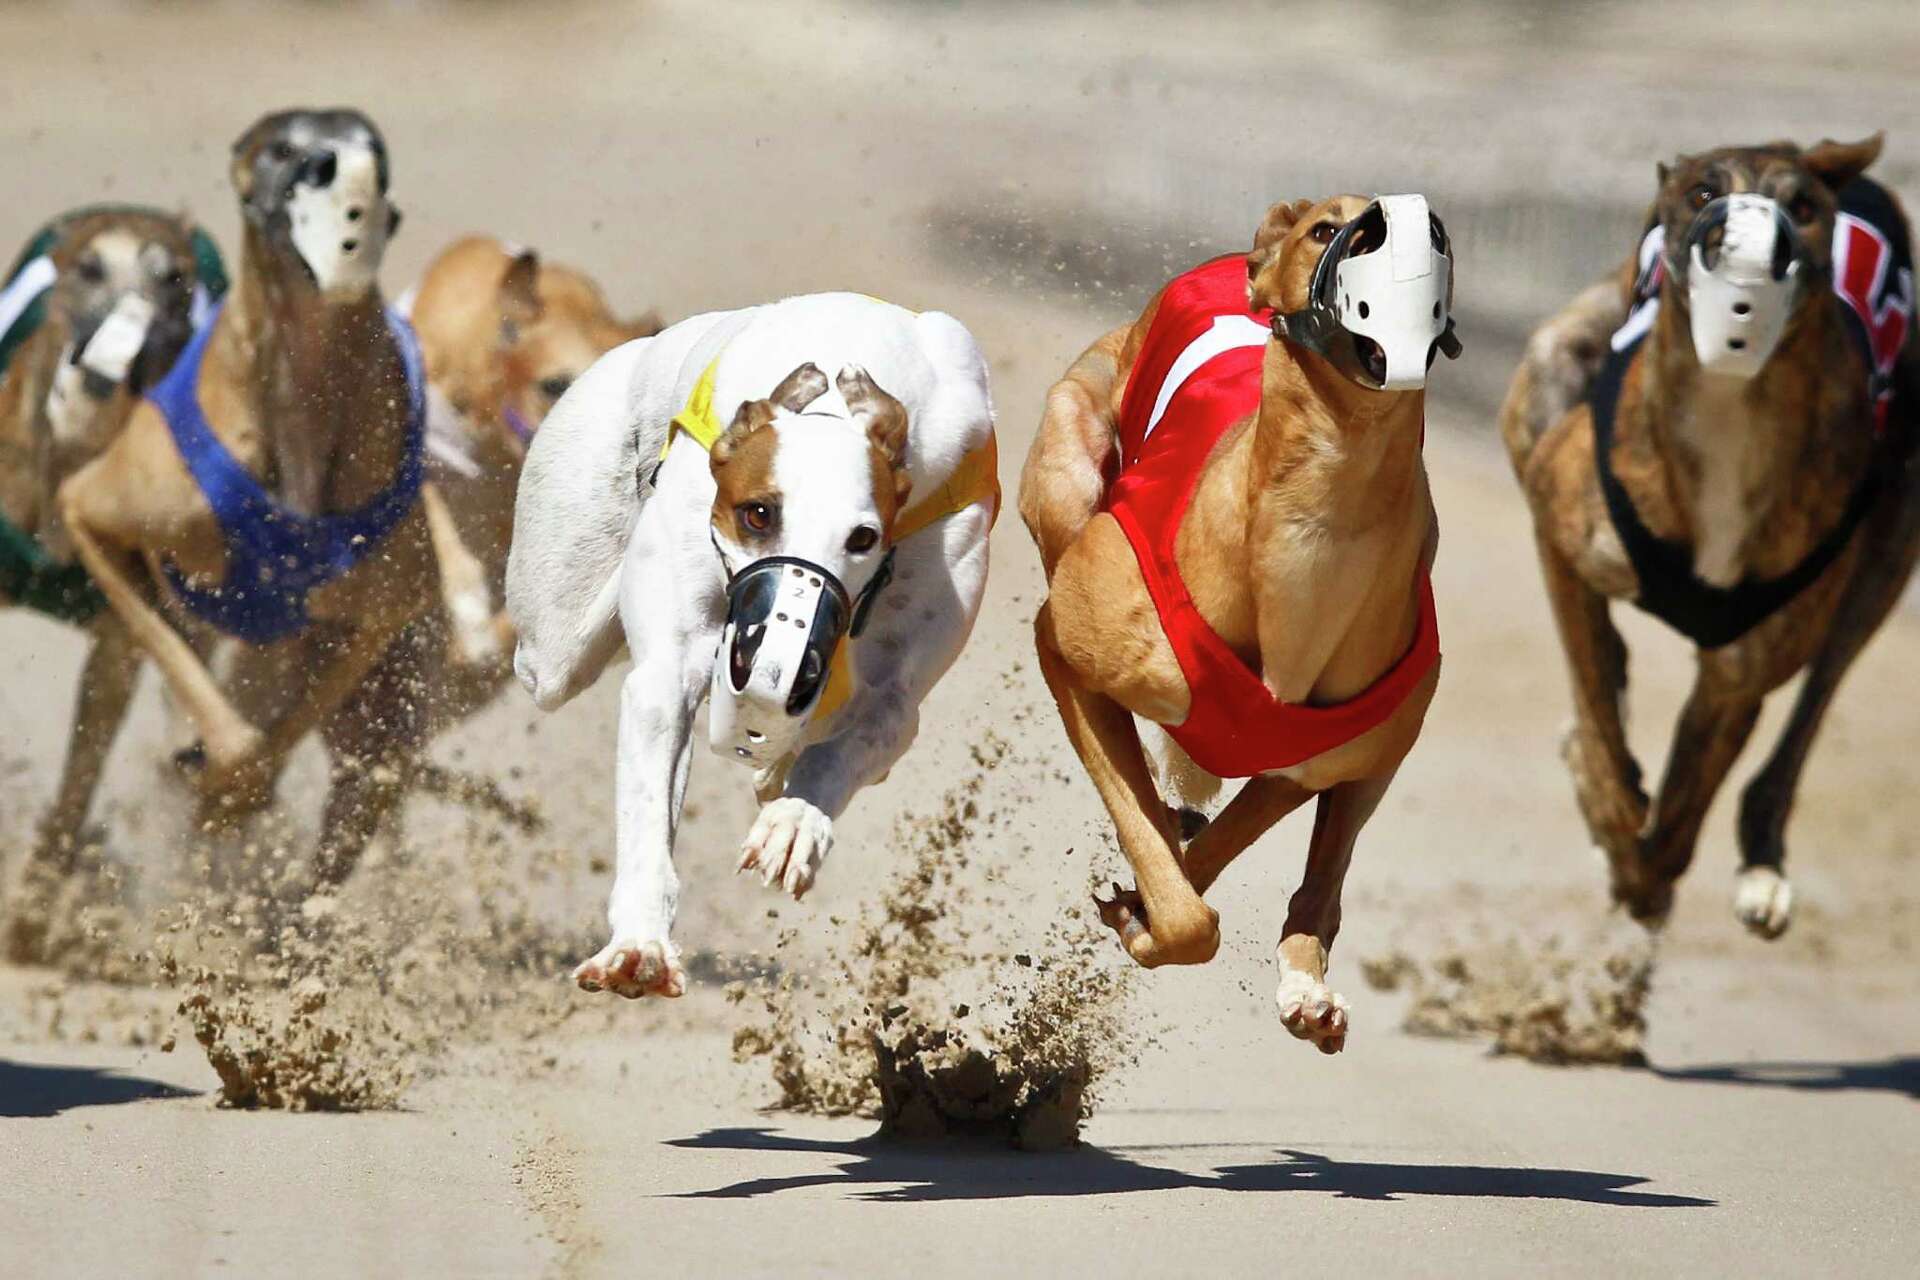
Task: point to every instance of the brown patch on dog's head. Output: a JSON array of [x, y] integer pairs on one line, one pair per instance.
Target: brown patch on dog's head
[[885, 421], [1289, 245], [1805, 183], [747, 500]]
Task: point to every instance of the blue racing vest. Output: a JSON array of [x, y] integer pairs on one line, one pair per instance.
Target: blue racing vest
[[276, 556]]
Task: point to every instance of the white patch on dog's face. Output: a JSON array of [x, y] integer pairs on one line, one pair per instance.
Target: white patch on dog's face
[[338, 218]]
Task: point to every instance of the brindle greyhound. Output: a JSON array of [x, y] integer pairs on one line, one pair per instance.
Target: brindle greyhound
[[504, 335], [115, 294], [1766, 512], [305, 393]]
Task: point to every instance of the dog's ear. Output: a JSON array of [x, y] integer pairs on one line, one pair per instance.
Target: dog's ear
[[1838, 163], [1660, 175], [884, 421], [800, 388], [518, 296], [1273, 229], [644, 325], [754, 415]]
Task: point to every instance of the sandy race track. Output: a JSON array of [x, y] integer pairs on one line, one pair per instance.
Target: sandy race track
[[1033, 169]]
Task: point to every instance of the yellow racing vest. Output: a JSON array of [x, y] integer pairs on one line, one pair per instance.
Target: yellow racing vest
[[975, 479]]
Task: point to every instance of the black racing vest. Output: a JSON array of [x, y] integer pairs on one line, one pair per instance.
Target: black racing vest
[[1873, 276]]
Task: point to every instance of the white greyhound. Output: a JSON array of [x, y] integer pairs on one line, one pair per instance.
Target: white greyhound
[[818, 565]]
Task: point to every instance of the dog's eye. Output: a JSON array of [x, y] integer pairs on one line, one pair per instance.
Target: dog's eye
[[755, 517], [1323, 233], [91, 270], [281, 152], [1802, 209], [1700, 197], [863, 540], [555, 387]]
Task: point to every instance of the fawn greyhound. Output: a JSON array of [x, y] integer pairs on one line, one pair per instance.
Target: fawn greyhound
[[93, 314], [1722, 433], [270, 482], [1231, 507]]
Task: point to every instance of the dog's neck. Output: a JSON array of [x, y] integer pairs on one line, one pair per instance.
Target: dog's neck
[[1755, 471], [321, 384], [1314, 521]]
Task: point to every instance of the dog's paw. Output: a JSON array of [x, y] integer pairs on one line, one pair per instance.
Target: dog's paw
[[789, 841], [1763, 901], [1313, 1012], [633, 969]]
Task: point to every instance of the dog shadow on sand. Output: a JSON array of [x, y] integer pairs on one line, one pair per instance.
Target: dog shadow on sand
[[33, 1090], [887, 1171], [1889, 1075]]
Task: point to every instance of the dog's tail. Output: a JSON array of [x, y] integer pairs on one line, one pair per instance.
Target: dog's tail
[[580, 493]]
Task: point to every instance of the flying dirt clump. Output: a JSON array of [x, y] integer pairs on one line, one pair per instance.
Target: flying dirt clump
[[1539, 1001], [931, 1030], [68, 911], [283, 1051]]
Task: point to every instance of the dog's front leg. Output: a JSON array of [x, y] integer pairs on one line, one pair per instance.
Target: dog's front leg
[[478, 640], [657, 704], [106, 688], [794, 832], [1310, 1009], [1714, 726], [1179, 928], [1606, 777], [99, 519]]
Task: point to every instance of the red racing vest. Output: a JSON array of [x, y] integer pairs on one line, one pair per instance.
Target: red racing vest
[[1198, 374]]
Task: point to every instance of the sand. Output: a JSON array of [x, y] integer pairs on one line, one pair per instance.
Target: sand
[[1033, 169]]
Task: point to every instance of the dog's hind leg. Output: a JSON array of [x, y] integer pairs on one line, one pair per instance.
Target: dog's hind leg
[[1308, 1007], [1073, 457], [1763, 900], [1562, 358], [1179, 928], [375, 739], [106, 688]]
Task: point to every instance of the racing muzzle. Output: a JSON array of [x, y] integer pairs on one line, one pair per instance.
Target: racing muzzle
[[1379, 306], [340, 218], [786, 619], [1744, 273]]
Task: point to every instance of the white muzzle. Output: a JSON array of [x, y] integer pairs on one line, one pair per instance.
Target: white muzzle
[[1396, 296], [785, 620], [339, 220], [1739, 307]]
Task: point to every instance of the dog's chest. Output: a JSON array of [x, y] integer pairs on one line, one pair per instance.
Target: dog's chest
[[1715, 431]]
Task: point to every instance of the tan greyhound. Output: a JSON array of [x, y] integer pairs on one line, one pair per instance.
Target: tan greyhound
[[95, 312], [1231, 507], [1722, 432], [504, 334], [270, 483]]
